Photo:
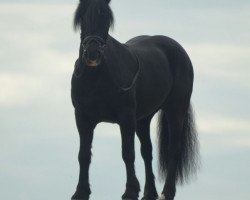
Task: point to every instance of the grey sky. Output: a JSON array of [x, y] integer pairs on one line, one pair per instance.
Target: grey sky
[[38, 138]]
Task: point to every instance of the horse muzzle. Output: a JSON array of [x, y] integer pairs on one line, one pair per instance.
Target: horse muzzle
[[93, 63]]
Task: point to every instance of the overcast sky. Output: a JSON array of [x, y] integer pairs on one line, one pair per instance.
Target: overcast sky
[[38, 137]]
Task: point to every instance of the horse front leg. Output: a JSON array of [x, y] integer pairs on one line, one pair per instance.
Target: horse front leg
[[127, 127], [85, 128]]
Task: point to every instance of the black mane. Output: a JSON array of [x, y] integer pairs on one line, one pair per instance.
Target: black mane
[[87, 13]]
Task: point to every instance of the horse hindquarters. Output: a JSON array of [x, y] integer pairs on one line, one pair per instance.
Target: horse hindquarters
[[178, 148]]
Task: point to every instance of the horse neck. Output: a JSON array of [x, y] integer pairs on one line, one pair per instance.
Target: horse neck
[[112, 41], [121, 63], [118, 53], [116, 45]]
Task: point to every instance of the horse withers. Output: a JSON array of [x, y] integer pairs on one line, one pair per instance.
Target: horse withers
[[127, 84]]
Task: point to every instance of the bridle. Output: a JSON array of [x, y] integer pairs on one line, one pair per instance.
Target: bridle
[[102, 46], [87, 40], [124, 89], [100, 41]]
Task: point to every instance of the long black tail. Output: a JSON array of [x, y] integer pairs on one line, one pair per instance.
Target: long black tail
[[188, 156]]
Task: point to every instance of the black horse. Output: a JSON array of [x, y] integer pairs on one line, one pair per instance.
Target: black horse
[[127, 84]]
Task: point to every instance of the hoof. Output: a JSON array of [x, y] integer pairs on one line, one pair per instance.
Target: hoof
[[129, 199], [162, 197], [146, 198], [78, 199]]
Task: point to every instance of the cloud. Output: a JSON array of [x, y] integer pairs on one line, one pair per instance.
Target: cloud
[[226, 62], [216, 124], [45, 48], [211, 24], [36, 58], [38, 132], [17, 89]]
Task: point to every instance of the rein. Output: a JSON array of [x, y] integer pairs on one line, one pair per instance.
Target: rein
[[121, 88], [135, 77]]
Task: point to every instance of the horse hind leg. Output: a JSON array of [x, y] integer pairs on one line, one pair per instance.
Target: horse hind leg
[[174, 126], [178, 147], [143, 133], [128, 128]]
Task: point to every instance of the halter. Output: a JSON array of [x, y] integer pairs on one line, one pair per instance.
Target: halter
[[124, 89], [121, 88], [100, 41], [96, 38], [102, 45]]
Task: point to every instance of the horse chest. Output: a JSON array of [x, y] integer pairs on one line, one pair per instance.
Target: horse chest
[[97, 101]]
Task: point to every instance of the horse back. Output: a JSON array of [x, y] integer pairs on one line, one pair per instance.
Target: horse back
[[164, 66]]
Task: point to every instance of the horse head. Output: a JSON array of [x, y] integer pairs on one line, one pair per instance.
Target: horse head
[[94, 18]]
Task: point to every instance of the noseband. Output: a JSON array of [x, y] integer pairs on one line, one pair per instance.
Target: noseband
[[102, 45], [93, 38], [101, 48]]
